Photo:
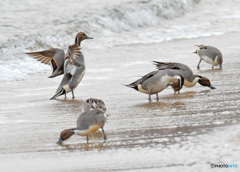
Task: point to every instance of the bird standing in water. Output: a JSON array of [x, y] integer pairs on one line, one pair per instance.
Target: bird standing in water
[[210, 55], [156, 81], [55, 57], [74, 70], [89, 121], [190, 79]]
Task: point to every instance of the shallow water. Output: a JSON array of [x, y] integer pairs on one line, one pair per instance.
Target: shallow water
[[182, 132], [186, 131]]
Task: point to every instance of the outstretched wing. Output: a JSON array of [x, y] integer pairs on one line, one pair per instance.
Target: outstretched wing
[[43, 56]]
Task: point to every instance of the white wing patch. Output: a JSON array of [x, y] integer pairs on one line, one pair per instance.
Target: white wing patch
[[71, 69]]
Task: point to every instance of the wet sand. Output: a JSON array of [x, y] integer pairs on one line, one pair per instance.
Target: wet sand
[[185, 132]]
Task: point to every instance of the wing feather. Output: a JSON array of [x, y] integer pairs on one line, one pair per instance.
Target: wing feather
[[144, 78], [163, 65], [43, 56], [74, 53]]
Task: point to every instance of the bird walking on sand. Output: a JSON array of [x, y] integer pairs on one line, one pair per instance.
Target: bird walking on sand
[[156, 81], [74, 69], [190, 78], [55, 57], [210, 55], [88, 122]]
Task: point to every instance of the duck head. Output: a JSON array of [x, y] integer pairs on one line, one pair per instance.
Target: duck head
[[205, 82], [65, 134], [80, 37]]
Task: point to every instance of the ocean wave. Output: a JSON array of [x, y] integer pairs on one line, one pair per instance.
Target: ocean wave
[[113, 24], [134, 15], [130, 15]]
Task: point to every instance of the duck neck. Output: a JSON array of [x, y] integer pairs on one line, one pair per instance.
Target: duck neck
[[73, 130], [77, 41], [192, 82]]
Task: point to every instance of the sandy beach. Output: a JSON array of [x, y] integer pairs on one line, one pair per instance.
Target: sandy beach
[[183, 132]]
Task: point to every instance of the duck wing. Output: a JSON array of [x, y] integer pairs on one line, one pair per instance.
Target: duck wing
[[141, 80], [45, 56]]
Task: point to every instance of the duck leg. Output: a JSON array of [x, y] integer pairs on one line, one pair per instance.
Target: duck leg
[[149, 97], [198, 66], [87, 139], [104, 136], [157, 97], [73, 97], [212, 67]]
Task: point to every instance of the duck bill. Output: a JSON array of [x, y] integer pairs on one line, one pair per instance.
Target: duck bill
[[59, 141], [170, 85], [212, 87], [88, 37], [220, 65], [61, 92]]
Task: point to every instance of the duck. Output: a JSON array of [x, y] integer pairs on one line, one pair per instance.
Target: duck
[[190, 78], [156, 81], [93, 103], [55, 57], [210, 55], [87, 122], [74, 70]]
